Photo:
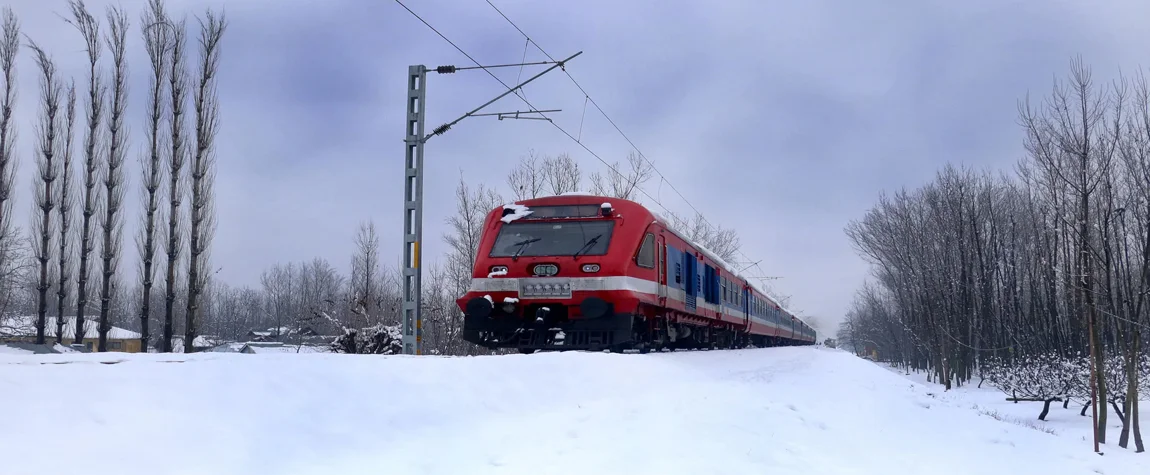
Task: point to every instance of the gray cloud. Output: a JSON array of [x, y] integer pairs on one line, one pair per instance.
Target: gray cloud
[[784, 120]]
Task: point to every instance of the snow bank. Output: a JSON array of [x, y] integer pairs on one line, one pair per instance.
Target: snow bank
[[795, 411]]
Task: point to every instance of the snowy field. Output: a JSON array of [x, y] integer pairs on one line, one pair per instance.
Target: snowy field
[[768, 411], [1065, 422]]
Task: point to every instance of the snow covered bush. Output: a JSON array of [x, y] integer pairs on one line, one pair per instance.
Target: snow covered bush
[[379, 339], [1116, 383], [1048, 378], [1044, 378]]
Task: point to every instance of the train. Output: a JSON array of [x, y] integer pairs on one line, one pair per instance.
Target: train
[[595, 273]]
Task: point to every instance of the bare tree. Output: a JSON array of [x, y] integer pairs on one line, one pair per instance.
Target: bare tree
[[114, 175], [319, 283], [724, 242], [623, 183], [89, 28], [64, 274], [281, 292], [1069, 142], [365, 283], [562, 174], [156, 38], [203, 169], [9, 47], [527, 179], [178, 83], [46, 135], [465, 230]]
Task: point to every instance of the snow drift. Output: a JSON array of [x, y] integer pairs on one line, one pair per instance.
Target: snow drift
[[801, 410]]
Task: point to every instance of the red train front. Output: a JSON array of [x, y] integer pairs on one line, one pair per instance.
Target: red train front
[[562, 272]]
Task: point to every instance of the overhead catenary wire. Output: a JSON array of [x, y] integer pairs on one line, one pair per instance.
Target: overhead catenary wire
[[560, 128], [618, 129], [533, 108], [604, 113]]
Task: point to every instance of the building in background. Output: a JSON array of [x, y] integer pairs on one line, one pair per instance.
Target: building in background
[[22, 329]]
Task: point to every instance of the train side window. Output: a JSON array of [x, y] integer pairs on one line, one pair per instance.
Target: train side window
[[646, 257]]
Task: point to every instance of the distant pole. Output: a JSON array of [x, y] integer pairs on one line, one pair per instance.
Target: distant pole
[[413, 210]]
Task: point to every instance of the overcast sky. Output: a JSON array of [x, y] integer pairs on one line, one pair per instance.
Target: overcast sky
[[784, 120]]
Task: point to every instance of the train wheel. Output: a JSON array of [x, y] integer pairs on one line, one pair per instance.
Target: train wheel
[[527, 351]]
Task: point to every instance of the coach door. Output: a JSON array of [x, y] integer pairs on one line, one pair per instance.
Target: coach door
[[661, 267], [691, 279], [746, 306]]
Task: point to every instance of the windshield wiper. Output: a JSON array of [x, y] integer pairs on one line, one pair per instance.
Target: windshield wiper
[[587, 245], [522, 245]]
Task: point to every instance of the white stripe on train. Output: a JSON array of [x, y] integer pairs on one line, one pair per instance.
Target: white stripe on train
[[614, 283]]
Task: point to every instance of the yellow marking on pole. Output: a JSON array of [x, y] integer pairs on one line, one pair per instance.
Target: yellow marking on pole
[[415, 257]]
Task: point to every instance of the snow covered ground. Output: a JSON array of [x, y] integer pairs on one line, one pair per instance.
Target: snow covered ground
[[1065, 422], [767, 411]]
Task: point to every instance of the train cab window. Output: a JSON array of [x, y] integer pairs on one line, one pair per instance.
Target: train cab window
[[646, 257]]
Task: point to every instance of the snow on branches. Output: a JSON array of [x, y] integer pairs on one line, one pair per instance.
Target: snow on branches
[[379, 339], [1049, 377], [1044, 377]]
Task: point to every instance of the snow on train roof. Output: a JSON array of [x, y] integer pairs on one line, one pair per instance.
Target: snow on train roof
[[518, 211]]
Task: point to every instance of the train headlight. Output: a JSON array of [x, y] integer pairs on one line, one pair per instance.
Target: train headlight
[[590, 267], [546, 270]]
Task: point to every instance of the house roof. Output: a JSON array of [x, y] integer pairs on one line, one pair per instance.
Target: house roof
[[25, 326], [32, 348], [263, 347]]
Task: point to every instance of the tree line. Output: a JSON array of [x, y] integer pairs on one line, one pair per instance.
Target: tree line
[[1035, 281], [361, 309], [79, 184]]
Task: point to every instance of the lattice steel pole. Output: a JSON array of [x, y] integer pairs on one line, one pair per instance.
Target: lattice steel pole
[[413, 184], [413, 210]]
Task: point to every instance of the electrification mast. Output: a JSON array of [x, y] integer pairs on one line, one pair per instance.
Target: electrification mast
[[413, 182]]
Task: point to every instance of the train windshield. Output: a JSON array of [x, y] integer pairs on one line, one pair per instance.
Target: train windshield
[[569, 238]]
